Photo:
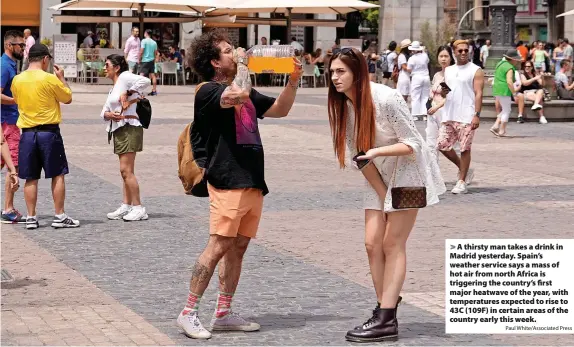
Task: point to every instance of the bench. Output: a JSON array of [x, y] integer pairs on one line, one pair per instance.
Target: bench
[[555, 110]]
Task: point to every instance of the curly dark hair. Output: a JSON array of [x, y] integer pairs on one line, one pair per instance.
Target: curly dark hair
[[203, 50]]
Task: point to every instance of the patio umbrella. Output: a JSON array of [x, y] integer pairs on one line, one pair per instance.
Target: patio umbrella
[[289, 7], [568, 13], [176, 6]]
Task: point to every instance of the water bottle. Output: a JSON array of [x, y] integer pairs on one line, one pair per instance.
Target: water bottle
[[271, 59]]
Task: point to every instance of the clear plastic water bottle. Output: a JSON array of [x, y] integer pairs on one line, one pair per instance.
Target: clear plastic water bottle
[[271, 59]]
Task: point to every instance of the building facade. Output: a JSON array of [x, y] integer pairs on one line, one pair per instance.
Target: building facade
[[535, 19], [402, 19]]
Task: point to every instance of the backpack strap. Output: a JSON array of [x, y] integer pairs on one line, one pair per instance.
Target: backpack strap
[[199, 86]]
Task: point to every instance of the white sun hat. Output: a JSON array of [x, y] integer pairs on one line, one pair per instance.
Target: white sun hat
[[416, 46]]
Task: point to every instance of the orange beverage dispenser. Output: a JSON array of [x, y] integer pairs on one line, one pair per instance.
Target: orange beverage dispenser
[[271, 59]]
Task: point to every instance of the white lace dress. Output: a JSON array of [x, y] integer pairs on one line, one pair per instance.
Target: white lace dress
[[395, 124]]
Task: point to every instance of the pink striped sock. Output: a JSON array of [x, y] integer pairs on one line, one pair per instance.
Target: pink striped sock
[[192, 303], [223, 304]]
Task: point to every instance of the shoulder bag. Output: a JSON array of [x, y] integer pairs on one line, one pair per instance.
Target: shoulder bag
[[407, 197]]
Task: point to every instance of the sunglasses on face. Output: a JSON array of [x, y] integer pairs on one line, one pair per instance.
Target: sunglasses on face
[[528, 67], [463, 51], [22, 45]]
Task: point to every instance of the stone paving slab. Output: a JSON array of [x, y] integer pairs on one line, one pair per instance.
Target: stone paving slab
[[48, 303]]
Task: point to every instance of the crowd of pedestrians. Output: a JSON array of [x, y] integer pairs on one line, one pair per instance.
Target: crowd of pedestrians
[[373, 131]]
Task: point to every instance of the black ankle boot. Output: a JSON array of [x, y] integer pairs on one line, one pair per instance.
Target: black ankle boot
[[378, 307], [382, 326]]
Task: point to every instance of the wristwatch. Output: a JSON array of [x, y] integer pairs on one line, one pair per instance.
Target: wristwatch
[[477, 114]]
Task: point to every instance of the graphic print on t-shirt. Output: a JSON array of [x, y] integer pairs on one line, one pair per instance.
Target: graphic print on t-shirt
[[246, 129]]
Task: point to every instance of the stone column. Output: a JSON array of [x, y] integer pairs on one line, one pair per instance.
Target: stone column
[[48, 28], [568, 21], [324, 36], [502, 27], [264, 30]]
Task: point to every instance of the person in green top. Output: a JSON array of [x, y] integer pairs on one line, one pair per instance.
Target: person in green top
[[504, 88], [539, 57], [148, 54]]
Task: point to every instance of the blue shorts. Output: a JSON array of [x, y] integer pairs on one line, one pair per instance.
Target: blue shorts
[[42, 148]]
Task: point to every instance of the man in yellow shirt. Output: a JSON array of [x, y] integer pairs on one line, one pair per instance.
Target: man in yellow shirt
[[38, 95]]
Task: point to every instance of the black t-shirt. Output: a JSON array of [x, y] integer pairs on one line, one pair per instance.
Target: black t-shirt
[[226, 141], [533, 86]]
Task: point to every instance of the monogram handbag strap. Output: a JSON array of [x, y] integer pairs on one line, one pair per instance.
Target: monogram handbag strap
[[393, 177]]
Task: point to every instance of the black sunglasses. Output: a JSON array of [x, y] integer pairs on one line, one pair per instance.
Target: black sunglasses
[[347, 50], [22, 45], [463, 50], [525, 66]]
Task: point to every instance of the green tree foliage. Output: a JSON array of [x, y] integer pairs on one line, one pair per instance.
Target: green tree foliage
[[432, 37], [371, 16]]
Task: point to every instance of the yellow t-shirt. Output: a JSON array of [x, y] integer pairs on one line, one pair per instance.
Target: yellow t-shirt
[[38, 95]]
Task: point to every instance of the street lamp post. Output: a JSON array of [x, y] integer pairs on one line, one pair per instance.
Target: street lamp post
[[502, 27]]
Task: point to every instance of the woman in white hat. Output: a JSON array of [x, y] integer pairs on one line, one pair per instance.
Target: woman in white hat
[[417, 66], [404, 81]]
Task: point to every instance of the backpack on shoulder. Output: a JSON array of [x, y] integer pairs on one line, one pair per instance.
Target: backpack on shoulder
[[384, 62], [190, 174]]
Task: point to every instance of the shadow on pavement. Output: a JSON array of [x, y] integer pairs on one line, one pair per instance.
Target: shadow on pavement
[[278, 322]]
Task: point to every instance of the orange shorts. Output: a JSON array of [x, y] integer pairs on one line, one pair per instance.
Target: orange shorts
[[234, 211]]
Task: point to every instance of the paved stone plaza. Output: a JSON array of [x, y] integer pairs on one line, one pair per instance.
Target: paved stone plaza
[[306, 279]]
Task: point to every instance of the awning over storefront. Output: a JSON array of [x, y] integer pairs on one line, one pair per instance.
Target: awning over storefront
[[210, 21], [59, 18], [569, 13], [20, 13]]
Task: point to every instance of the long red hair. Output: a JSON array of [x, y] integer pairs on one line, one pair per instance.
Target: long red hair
[[364, 131]]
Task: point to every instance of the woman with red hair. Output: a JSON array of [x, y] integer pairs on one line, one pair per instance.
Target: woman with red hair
[[374, 121]]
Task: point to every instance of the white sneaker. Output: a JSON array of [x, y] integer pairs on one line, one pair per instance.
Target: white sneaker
[[120, 212], [32, 223], [65, 222], [459, 188], [536, 107], [192, 326], [469, 176], [233, 322], [135, 214], [542, 120]]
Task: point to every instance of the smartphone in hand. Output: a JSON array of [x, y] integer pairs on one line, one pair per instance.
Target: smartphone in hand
[[445, 86], [361, 163]]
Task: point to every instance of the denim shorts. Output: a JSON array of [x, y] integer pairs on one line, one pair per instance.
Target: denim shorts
[[42, 148]]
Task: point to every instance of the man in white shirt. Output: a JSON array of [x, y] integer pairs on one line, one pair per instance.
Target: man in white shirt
[[461, 114], [484, 52], [132, 50], [564, 88], [29, 43], [89, 40], [297, 45]]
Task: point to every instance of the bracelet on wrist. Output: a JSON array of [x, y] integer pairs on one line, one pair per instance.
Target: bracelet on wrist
[[294, 85]]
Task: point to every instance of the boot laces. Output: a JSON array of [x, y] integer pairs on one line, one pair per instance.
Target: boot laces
[[372, 319]]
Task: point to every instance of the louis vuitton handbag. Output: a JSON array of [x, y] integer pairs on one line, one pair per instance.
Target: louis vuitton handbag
[[407, 197]]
